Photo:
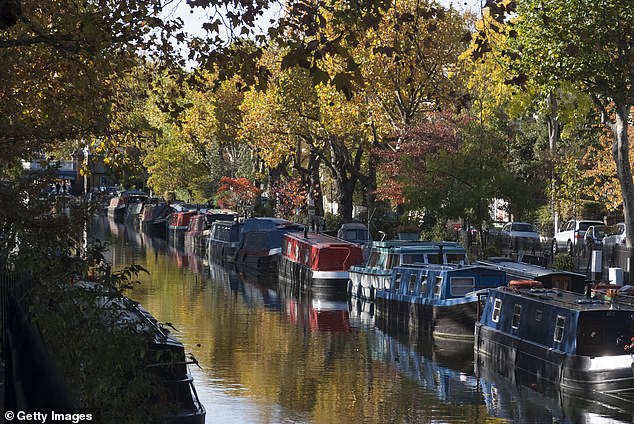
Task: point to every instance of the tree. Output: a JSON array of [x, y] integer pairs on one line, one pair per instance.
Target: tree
[[236, 193], [452, 170], [61, 63], [589, 46], [410, 60]]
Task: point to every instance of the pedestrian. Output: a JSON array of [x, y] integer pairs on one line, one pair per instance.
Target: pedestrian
[[57, 188]]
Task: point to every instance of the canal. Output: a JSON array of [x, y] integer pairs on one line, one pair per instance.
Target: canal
[[264, 357]]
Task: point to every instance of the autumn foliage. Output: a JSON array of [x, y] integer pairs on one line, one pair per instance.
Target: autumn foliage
[[416, 144], [290, 194], [236, 193]]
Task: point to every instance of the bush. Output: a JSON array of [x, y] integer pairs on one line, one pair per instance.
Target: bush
[[439, 232], [563, 261], [332, 222]]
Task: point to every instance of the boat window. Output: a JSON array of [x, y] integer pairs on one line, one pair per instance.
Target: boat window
[[393, 260], [461, 285], [434, 259], [438, 287], [289, 249], [538, 315], [412, 282], [559, 328], [382, 261], [517, 313], [455, 258], [397, 281], [374, 259], [423, 284], [497, 308], [413, 258], [307, 256]]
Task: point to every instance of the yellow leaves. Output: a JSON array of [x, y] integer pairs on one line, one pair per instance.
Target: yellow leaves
[[264, 128]]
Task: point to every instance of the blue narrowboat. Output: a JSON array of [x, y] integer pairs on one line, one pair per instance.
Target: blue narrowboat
[[261, 244], [581, 343], [377, 272], [223, 240], [442, 300]]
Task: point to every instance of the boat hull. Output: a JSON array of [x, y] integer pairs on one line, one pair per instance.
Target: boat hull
[[364, 285], [301, 278], [260, 265], [455, 319], [221, 252], [576, 374]]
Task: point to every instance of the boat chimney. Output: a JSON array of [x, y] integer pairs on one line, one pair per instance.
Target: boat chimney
[[306, 232]]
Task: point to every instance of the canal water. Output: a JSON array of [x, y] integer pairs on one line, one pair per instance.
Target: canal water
[[265, 357]]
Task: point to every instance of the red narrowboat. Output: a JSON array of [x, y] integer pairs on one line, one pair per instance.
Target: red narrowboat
[[179, 221], [194, 235], [317, 263]]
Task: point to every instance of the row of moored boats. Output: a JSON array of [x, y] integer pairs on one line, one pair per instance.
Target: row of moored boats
[[554, 325]]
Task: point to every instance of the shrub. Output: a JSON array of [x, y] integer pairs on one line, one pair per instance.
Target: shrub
[[563, 261], [332, 221]]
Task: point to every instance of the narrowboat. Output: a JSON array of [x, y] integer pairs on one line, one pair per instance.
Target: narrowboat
[[356, 232], [166, 357], [261, 244], [194, 234], [177, 225], [366, 279], [223, 240], [317, 263], [118, 206], [154, 217], [581, 343], [198, 229], [513, 396], [550, 278], [442, 300]]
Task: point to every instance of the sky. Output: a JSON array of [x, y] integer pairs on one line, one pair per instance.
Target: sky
[[194, 21]]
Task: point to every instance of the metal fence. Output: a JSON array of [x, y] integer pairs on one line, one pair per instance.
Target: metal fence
[[540, 253]]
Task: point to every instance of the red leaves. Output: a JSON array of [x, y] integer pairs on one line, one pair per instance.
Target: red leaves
[[417, 144], [236, 192], [290, 195]]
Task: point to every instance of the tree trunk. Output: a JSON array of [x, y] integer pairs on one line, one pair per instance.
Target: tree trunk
[[554, 130], [345, 183], [621, 156]]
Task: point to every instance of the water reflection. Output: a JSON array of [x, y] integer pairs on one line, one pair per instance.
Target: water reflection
[[268, 357], [517, 396]]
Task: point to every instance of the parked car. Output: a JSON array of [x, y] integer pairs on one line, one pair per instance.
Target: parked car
[[520, 234], [595, 235], [617, 237], [572, 234]]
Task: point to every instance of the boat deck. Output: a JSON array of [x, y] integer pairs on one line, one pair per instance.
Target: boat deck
[[575, 301]]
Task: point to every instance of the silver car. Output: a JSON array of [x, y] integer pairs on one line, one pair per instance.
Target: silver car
[[617, 237], [520, 234]]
